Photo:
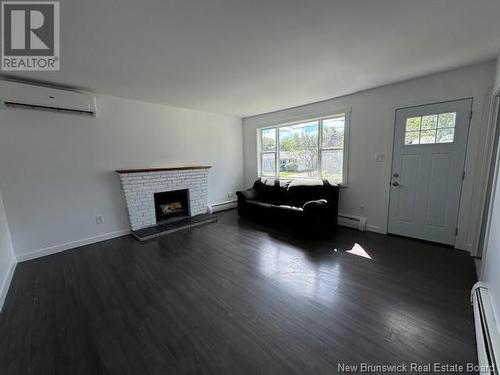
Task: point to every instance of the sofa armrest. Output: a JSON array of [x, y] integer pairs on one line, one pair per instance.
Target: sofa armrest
[[245, 195], [314, 205]]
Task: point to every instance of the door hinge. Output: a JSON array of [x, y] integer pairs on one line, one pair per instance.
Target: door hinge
[[463, 175], [470, 116], [456, 231]]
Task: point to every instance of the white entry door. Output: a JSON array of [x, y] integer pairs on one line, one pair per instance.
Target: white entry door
[[427, 170]]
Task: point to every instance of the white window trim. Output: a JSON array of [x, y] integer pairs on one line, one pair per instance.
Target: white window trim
[[345, 160]]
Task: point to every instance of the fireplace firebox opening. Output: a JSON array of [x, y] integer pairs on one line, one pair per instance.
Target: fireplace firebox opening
[[170, 204]]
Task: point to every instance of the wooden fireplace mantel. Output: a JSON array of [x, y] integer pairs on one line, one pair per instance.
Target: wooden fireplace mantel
[[163, 169]]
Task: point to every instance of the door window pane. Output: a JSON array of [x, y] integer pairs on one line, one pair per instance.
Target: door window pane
[[299, 150], [445, 135], [429, 122], [331, 164], [268, 164], [447, 120], [333, 132], [268, 139], [427, 136], [413, 123], [412, 138]]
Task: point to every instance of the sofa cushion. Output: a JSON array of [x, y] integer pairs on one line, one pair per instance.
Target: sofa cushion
[[268, 181], [267, 189], [248, 194], [311, 205], [260, 204], [301, 191], [284, 184]]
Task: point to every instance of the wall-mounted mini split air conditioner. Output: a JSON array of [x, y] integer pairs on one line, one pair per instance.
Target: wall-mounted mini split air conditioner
[[26, 96]]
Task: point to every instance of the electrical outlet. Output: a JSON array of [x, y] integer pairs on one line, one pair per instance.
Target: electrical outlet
[[230, 195], [380, 157], [361, 209], [98, 219]]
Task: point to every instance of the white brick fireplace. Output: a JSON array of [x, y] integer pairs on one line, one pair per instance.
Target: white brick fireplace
[[140, 185]]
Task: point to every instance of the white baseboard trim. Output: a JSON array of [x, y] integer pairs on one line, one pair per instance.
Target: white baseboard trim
[[376, 229], [4, 289], [464, 246], [216, 207], [222, 206], [71, 245]]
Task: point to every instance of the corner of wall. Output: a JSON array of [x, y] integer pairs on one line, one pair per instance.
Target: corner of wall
[[7, 279], [7, 257]]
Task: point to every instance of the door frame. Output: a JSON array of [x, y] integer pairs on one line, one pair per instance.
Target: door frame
[[493, 172], [393, 146]]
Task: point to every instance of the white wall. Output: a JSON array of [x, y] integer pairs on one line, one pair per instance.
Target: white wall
[[58, 169], [491, 259], [491, 253], [7, 259], [372, 126]]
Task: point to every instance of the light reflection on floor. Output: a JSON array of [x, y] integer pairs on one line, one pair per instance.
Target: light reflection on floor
[[300, 274], [405, 325], [357, 249]]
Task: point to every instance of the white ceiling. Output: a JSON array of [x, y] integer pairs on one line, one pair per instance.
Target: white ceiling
[[244, 57]]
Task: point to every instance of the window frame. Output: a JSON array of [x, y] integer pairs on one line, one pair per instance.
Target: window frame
[[262, 152], [320, 149]]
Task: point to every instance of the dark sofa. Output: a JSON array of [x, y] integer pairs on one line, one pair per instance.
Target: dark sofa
[[309, 206]]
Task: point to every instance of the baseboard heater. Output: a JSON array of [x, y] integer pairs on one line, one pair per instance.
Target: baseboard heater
[[222, 206], [487, 337], [357, 222]]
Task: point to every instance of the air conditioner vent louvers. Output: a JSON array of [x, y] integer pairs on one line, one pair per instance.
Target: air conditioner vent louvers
[[46, 108], [25, 96]]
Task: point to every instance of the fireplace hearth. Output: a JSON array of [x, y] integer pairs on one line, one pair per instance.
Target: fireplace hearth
[[171, 204]]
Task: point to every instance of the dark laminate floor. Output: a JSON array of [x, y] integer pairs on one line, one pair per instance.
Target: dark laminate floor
[[231, 298]]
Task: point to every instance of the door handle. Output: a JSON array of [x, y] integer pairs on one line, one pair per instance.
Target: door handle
[[395, 183]]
